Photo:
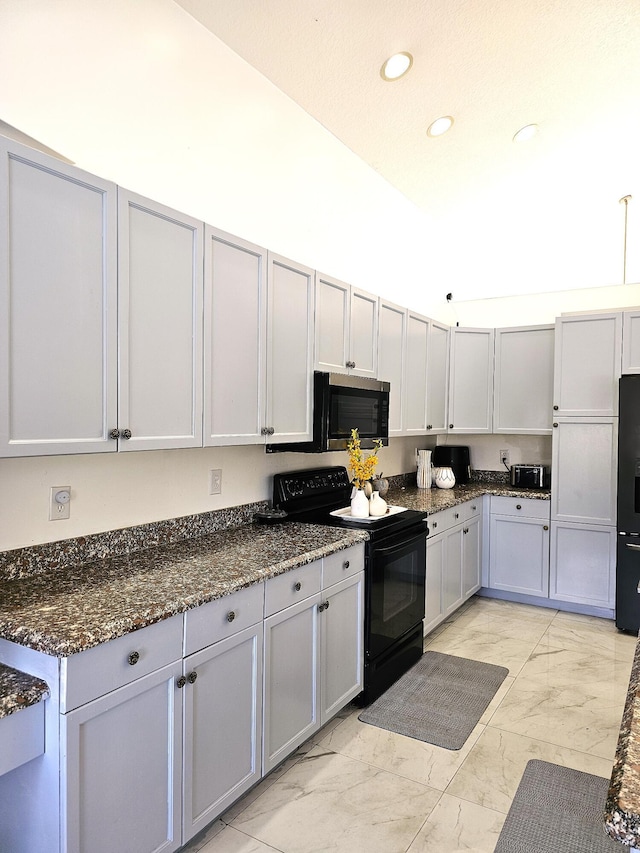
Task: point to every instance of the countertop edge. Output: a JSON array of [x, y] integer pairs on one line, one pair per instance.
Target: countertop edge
[[621, 822]]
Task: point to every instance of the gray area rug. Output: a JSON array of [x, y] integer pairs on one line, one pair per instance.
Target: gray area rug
[[556, 808], [439, 700]]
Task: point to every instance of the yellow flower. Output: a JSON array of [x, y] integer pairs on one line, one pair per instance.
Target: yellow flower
[[363, 468]]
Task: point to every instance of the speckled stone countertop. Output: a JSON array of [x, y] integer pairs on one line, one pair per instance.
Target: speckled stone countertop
[[19, 690], [70, 609], [434, 499], [622, 811]]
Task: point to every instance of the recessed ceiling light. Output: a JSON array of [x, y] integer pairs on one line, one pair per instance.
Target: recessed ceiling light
[[396, 66], [526, 133], [439, 126]]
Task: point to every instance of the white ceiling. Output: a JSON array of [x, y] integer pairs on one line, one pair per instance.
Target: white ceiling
[[495, 65]]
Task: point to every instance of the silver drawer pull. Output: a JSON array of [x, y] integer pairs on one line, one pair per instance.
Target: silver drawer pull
[[632, 547], [231, 615], [133, 658], [345, 565], [297, 586]]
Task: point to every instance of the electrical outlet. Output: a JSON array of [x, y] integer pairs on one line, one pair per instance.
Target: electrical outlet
[[215, 481], [59, 502], [504, 457]]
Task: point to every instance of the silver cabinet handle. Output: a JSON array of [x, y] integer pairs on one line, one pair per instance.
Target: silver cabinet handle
[[231, 615], [345, 565], [632, 547], [133, 658], [545, 526], [638, 590], [297, 586]]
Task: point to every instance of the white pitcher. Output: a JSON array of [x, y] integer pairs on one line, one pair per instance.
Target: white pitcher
[[424, 469]]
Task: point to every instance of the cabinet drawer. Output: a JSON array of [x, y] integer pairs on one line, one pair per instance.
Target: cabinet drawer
[[529, 507], [336, 567], [223, 617], [470, 509], [293, 586], [443, 520], [100, 670]]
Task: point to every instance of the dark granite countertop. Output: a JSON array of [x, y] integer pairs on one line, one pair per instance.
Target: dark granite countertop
[[19, 690], [67, 610], [622, 811], [434, 499]]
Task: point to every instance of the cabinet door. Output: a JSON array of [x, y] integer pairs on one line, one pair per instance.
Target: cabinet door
[[519, 555], [436, 554], [123, 769], [332, 323], [437, 377], [415, 400], [342, 636], [471, 556], [289, 351], [363, 334], [583, 564], [291, 694], [452, 571], [58, 357], [471, 380], [523, 380], [588, 356], [234, 340], [222, 725], [631, 342], [391, 350], [584, 470], [159, 326]]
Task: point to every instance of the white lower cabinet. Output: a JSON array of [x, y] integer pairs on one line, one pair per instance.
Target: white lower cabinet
[[519, 545], [453, 560], [222, 726], [583, 564], [150, 737], [313, 659], [121, 771]]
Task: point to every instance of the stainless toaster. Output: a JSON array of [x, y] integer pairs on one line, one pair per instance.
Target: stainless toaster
[[531, 476]]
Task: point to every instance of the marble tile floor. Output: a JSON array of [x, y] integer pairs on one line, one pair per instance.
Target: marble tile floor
[[354, 788]]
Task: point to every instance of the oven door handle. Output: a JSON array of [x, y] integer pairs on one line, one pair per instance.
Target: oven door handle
[[402, 543], [632, 547]]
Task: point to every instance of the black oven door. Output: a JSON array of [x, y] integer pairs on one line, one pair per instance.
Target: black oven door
[[396, 589]]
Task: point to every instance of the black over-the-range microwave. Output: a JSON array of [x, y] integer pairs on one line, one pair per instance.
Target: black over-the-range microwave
[[342, 403]]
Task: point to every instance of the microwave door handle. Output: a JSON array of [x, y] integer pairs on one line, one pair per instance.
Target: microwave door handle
[[402, 544]]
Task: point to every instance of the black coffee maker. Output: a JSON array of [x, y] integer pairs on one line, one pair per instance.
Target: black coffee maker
[[455, 457]]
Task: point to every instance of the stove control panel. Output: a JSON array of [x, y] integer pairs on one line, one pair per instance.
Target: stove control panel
[[300, 486]]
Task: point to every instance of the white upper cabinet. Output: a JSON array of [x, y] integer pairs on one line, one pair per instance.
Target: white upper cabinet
[[588, 360], [437, 377], [289, 351], [471, 380], [346, 328], [392, 333], [523, 380], [58, 359], [585, 464], [160, 326], [631, 342], [235, 344], [415, 387]]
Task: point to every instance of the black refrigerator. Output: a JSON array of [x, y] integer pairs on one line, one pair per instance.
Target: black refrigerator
[[628, 556]]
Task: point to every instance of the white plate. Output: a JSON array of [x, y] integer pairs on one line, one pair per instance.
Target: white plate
[[346, 513]]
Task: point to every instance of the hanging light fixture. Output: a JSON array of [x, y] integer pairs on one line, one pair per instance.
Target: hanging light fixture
[[625, 200]]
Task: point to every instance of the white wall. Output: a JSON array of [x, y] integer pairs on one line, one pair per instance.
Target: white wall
[[114, 490], [538, 308]]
